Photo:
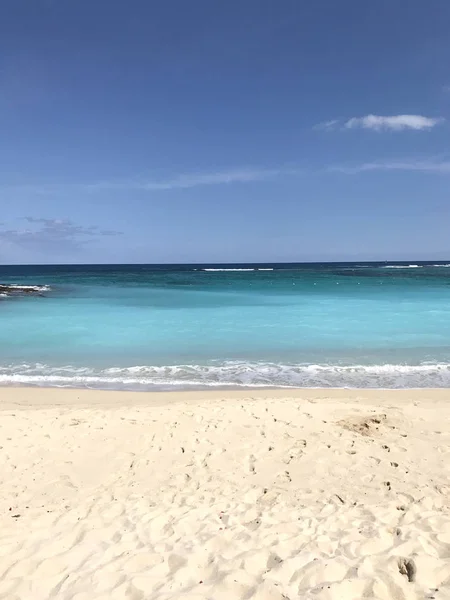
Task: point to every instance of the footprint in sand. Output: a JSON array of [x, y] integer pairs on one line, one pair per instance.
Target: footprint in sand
[[251, 464], [407, 567]]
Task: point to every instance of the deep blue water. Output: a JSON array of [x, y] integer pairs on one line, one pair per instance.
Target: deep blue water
[[160, 327]]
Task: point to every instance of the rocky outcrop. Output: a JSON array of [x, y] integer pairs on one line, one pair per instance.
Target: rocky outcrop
[[13, 289]]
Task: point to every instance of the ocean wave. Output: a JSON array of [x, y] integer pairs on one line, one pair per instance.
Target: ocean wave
[[414, 266], [230, 374], [235, 269], [402, 267]]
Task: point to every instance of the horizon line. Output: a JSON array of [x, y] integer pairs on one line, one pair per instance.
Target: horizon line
[[177, 264]]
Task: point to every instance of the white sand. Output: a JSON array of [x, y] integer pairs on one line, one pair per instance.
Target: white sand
[[256, 495]]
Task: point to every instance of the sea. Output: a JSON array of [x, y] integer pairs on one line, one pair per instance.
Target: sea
[[171, 327]]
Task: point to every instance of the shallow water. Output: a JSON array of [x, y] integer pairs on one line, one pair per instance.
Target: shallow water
[[164, 327]]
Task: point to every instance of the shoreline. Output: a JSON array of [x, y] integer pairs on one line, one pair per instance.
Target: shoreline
[[230, 376], [29, 396], [251, 495]]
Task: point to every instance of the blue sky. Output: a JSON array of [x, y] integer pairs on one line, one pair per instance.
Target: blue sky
[[202, 131]]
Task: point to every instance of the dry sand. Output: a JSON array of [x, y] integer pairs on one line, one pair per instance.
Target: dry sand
[[224, 495]]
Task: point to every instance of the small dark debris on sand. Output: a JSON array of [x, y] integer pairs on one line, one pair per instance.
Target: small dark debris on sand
[[367, 426]]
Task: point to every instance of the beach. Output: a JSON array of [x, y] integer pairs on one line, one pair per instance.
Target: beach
[[252, 494]]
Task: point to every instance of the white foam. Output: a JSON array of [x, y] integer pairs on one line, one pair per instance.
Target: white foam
[[403, 267], [265, 269], [231, 374], [414, 266], [228, 269], [34, 288]]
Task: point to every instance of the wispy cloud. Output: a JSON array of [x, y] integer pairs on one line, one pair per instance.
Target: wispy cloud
[[190, 180], [424, 166], [53, 234], [327, 125], [382, 123], [177, 182]]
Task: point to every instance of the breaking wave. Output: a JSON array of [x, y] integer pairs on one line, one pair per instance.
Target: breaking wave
[[402, 267], [230, 374], [35, 288], [218, 270]]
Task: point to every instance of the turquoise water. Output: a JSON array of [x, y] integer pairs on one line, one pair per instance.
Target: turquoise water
[[164, 327]]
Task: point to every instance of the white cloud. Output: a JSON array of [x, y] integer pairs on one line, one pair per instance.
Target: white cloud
[[381, 123], [424, 166], [177, 182], [187, 180], [393, 123], [327, 125]]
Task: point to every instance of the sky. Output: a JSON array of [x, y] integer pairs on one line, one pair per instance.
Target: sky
[[239, 131]]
